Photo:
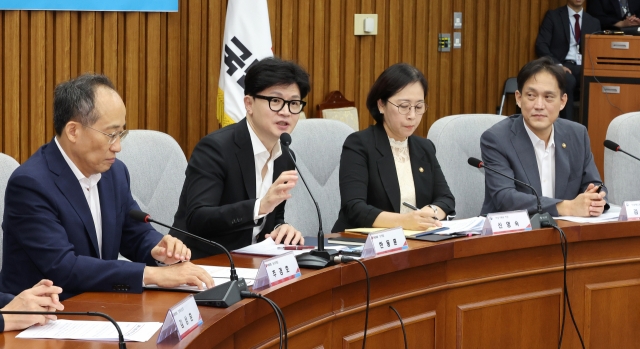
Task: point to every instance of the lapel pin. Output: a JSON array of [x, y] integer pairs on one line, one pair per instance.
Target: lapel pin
[[564, 145], [421, 169]]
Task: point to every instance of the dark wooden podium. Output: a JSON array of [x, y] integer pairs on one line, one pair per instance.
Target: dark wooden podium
[[611, 85]]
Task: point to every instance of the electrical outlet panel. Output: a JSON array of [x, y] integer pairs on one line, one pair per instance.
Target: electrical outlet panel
[[444, 42]]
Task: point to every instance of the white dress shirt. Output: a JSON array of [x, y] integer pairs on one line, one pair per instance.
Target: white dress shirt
[[572, 55], [90, 190], [546, 159], [262, 157]]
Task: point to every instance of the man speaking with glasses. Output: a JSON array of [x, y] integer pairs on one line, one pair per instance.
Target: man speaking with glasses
[[238, 179], [67, 208]]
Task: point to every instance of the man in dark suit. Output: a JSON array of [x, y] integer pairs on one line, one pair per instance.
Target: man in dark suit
[[615, 14], [41, 297], [552, 155], [238, 177], [67, 207], [561, 37]]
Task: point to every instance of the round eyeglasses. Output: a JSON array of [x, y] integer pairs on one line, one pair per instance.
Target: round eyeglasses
[[405, 108]]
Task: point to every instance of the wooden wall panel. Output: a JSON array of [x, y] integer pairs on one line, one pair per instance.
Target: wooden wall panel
[[166, 65]]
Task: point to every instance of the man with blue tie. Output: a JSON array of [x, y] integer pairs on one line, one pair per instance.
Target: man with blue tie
[[67, 208], [561, 37]]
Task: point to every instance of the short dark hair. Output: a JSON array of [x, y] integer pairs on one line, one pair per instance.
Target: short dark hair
[[75, 100], [542, 64], [273, 71], [392, 80]]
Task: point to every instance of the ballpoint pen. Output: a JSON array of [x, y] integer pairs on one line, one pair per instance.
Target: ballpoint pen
[[415, 208]]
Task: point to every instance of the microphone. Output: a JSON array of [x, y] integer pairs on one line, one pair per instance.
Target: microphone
[[611, 145], [121, 344], [538, 220], [221, 296], [318, 258]]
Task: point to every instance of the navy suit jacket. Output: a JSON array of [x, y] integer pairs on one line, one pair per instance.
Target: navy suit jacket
[[5, 298], [49, 231], [219, 192], [506, 147], [554, 36], [608, 12], [369, 181]]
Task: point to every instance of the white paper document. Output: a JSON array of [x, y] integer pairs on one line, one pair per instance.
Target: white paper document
[[92, 330], [473, 224], [610, 216], [268, 247], [220, 275]]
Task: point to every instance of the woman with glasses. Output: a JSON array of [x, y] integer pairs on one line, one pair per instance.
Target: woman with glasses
[[388, 176]]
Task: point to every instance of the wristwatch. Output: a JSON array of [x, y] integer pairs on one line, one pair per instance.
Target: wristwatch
[[435, 209]]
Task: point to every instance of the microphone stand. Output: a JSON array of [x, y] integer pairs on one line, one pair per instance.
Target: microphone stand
[[220, 296], [121, 343], [538, 220], [318, 258]]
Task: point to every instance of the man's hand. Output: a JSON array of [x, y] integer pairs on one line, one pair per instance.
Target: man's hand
[[589, 203], [278, 192], [420, 220], [287, 234], [628, 22], [176, 275], [170, 251], [41, 297], [566, 70]]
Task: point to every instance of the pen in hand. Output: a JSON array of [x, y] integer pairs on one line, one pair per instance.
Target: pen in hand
[[415, 208]]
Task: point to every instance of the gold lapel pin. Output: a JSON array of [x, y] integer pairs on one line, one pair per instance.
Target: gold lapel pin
[[421, 169], [564, 145]]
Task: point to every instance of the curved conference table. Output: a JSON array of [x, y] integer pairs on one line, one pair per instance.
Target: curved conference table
[[502, 291]]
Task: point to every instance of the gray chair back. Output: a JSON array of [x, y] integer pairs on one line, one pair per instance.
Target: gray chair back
[[317, 144], [157, 167], [457, 138], [7, 166], [620, 170]]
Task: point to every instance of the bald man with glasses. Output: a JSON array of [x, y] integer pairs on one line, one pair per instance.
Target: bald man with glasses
[[67, 208], [238, 178]]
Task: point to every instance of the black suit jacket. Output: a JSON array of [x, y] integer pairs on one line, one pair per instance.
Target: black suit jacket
[[608, 12], [554, 36], [219, 192], [369, 181]]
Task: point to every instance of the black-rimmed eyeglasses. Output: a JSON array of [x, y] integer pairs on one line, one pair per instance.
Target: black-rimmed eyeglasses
[[276, 104]]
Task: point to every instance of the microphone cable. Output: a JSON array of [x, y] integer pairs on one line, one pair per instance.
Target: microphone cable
[[404, 333], [282, 323], [566, 303], [343, 259]]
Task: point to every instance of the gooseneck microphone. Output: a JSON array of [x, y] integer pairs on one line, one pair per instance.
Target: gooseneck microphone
[[611, 145], [221, 296], [121, 344], [318, 258], [538, 220]]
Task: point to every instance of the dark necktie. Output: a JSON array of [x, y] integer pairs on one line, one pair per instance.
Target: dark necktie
[[576, 32]]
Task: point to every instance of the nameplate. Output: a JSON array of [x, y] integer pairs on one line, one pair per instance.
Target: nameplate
[[611, 89], [630, 211], [277, 270], [181, 319], [620, 45], [383, 242], [506, 222]]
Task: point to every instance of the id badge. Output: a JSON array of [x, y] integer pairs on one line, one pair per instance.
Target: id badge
[[579, 59]]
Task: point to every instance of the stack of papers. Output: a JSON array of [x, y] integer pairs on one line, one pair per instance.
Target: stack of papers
[[469, 225], [610, 216], [220, 275], [92, 330], [268, 247]]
